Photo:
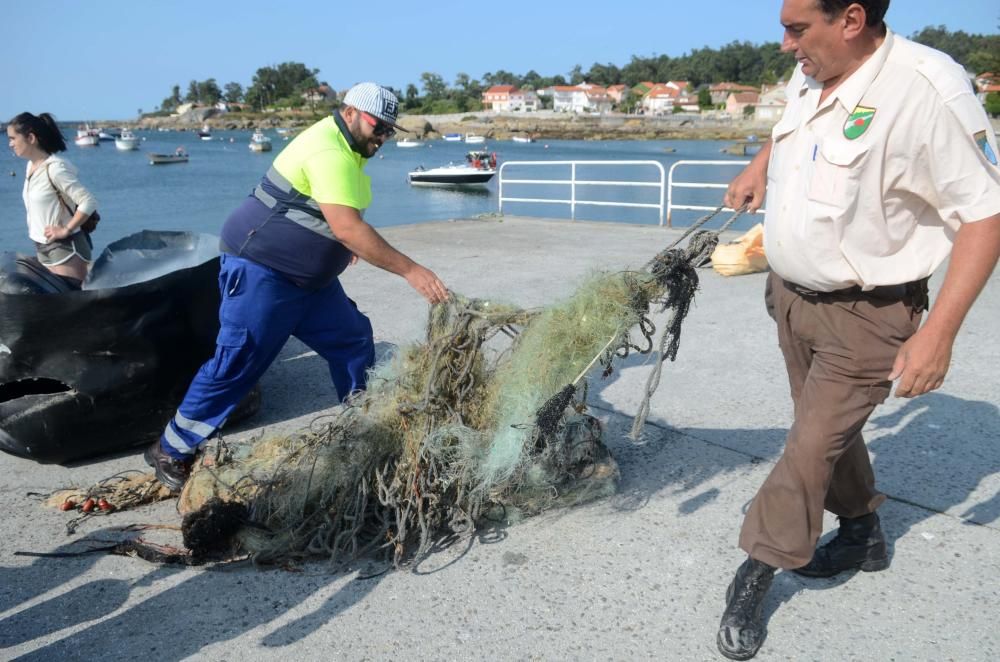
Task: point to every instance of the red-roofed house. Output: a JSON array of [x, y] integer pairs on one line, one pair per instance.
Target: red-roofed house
[[617, 92], [737, 102], [662, 98], [509, 98], [640, 89], [498, 97], [721, 91]]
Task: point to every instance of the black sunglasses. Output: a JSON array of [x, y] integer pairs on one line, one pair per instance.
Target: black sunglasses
[[379, 127]]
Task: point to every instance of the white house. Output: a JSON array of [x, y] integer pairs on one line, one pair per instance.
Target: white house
[[582, 98], [771, 103], [662, 97]]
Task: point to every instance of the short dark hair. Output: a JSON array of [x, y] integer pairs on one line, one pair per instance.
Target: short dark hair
[[874, 9], [46, 131]]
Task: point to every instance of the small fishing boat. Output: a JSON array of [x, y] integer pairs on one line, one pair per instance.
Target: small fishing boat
[[472, 139], [109, 134], [259, 142], [522, 139], [86, 136], [478, 169], [453, 137], [87, 141], [205, 133], [409, 142], [127, 141], [180, 156]]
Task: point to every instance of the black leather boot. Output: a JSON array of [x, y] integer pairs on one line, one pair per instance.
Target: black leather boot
[[173, 473], [858, 545], [742, 631]]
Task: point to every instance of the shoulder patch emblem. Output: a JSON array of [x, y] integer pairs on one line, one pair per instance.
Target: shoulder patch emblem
[[858, 122], [984, 144]]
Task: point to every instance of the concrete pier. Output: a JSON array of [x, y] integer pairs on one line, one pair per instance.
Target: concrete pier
[[638, 576]]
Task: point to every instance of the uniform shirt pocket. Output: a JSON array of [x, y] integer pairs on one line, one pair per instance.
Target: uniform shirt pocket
[[836, 173]]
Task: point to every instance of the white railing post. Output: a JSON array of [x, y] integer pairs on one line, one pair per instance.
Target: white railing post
[[572, 191], [500, 186], [661, 195]]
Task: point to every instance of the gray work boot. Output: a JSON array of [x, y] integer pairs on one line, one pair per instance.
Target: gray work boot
[[742, 630], [858, 545]]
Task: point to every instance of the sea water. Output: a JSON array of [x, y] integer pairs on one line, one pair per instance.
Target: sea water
[[200, 194]]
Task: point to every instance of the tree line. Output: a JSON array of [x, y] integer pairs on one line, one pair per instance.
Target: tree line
[[283, 85], [279, 85]]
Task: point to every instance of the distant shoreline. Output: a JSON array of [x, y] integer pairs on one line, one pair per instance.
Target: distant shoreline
[[543, 125]]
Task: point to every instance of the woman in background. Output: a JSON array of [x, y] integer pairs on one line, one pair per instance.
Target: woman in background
[[55, 201]]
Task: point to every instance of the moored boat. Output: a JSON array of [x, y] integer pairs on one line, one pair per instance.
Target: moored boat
[[259, 142], [180, 156], [452, 137], [472, 139], [205, 133], [127, 141], [87, 141], [409, 142], [478, 169], [522, 139], [86, 136]]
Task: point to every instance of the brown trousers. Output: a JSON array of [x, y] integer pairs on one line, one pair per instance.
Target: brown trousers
[[838, 349]]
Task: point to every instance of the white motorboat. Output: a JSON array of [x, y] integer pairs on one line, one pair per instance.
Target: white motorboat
[[471, 139], [409, 142], [180, 156], [478, 169], [259, 142], [109, 134], [127, 141], [87, 140], [86, 136], [205, 133], [522, 139], [453, 137]]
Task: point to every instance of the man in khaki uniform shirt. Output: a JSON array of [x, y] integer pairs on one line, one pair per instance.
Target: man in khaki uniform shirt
[[883, 163]]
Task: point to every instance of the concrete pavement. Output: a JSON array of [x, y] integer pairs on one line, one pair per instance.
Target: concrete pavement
[[639, 576]]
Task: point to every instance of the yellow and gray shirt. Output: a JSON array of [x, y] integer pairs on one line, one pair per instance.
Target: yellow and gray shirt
[[870, 186], [281, 226]]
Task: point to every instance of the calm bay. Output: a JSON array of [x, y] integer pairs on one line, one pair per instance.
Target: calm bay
[[199, 195]]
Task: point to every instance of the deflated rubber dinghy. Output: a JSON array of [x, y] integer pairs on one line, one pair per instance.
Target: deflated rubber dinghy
[[102, 369]]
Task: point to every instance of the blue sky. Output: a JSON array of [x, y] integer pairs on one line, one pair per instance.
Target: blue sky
[[106, 59]]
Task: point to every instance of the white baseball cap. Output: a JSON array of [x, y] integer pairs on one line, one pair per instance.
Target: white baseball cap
[[377, 101]]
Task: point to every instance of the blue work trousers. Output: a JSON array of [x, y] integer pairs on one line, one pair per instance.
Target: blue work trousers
[[260, 310]]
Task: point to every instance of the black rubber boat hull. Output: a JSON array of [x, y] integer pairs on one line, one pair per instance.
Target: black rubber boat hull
[[84, 373]]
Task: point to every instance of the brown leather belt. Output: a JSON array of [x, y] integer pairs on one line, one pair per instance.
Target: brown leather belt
[[914, 292]]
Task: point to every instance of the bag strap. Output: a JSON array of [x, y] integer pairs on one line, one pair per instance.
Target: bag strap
[[59, 194]]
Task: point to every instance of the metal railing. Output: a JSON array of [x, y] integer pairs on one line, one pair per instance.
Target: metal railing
[[671, 184], [573, 183]]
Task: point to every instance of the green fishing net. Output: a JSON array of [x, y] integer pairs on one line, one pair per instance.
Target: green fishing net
[[485, 418]]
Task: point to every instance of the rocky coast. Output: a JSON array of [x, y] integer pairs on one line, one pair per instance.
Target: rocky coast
[[539, 125]]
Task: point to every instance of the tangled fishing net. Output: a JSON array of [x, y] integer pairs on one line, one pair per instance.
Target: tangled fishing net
[[482, 420]]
